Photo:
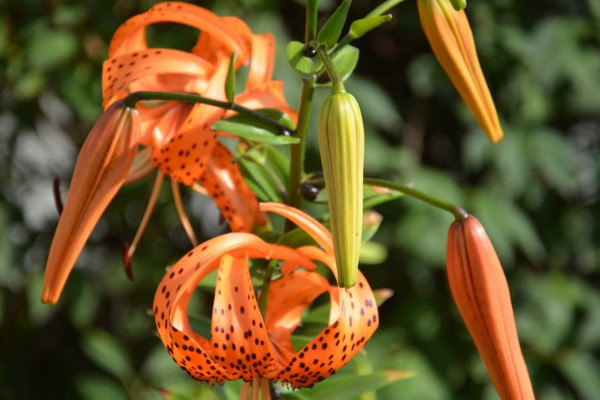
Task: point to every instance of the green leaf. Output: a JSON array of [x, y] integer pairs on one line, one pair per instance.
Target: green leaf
[[582, 371], [344, 62], [555, 158], [372, 253], [259, 176], [374, 196], [254, 133], [305, 66], [371, 223], [99, 388], [361, 26], [52, 48], [230, 82], [459, 4], [266, 170], [349, 386], [331, 30], [107, 353]]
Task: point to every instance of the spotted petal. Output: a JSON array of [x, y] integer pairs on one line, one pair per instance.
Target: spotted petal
[[223, 180]]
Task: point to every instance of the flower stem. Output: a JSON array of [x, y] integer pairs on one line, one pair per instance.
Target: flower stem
[[297, 151], [336, 80], [134, 97], [458, 212], [312, 13]]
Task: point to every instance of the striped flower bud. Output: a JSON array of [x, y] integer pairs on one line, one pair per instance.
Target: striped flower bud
[[451, 40], [481, 294], [341, 143]]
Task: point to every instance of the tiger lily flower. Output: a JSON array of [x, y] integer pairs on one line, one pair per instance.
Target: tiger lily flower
[[451, 39], [480, 291], [246, 344], [175, 137]]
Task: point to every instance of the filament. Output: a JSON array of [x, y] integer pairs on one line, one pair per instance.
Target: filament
[[149, 208], [185, 221]]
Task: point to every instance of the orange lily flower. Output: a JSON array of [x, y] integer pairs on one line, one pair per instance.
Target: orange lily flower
[[451, 40], [177, 137], [480, 291], [101, 168], [245, 344]]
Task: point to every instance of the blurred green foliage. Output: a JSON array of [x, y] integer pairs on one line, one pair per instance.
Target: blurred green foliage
[[536, 192]]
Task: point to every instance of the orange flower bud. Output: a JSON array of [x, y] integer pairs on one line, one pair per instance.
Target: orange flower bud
[[480, 291], [451, 40], [102, 166]]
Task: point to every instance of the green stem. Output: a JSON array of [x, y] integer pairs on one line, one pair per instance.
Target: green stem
[[383, 8], [133, 98], [458, 212], [264, 289], [312, 14], [336, 80], [376, 12], [297, 151]]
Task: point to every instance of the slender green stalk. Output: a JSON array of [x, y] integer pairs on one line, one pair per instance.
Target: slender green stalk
[[297, 151], [264, 289], [376, 12], [133, 98], [383, 8], [312, 14], [336, 80], [458, 212]]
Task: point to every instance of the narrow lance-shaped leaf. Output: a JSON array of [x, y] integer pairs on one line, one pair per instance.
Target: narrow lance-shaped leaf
[[331, 30], [361, 26], [230, 81]]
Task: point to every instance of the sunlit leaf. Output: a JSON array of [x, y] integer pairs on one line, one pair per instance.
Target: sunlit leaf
[[107, 353], [361, 26], [331, 30], [302, 64]]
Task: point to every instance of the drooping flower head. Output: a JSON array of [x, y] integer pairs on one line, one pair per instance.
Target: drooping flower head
[[176, 137], [481, 294], [246, 345], [451, 40]]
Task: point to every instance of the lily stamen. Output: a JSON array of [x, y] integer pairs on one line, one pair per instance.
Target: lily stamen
[[158, 181], [185, 221]]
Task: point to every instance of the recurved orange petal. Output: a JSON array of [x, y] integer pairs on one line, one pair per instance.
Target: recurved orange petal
[[239, 336], [262, 59], [102, 166], [174, 292], [131, 35], [481, 294], [184, 155], [223, 180], [119, 72]]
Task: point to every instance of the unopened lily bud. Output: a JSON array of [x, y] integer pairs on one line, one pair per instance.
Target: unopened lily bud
[[341, 143], [451, 40], [481, 294], [101, 168]]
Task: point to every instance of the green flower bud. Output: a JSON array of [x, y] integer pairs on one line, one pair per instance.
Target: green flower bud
[[342, 147]]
